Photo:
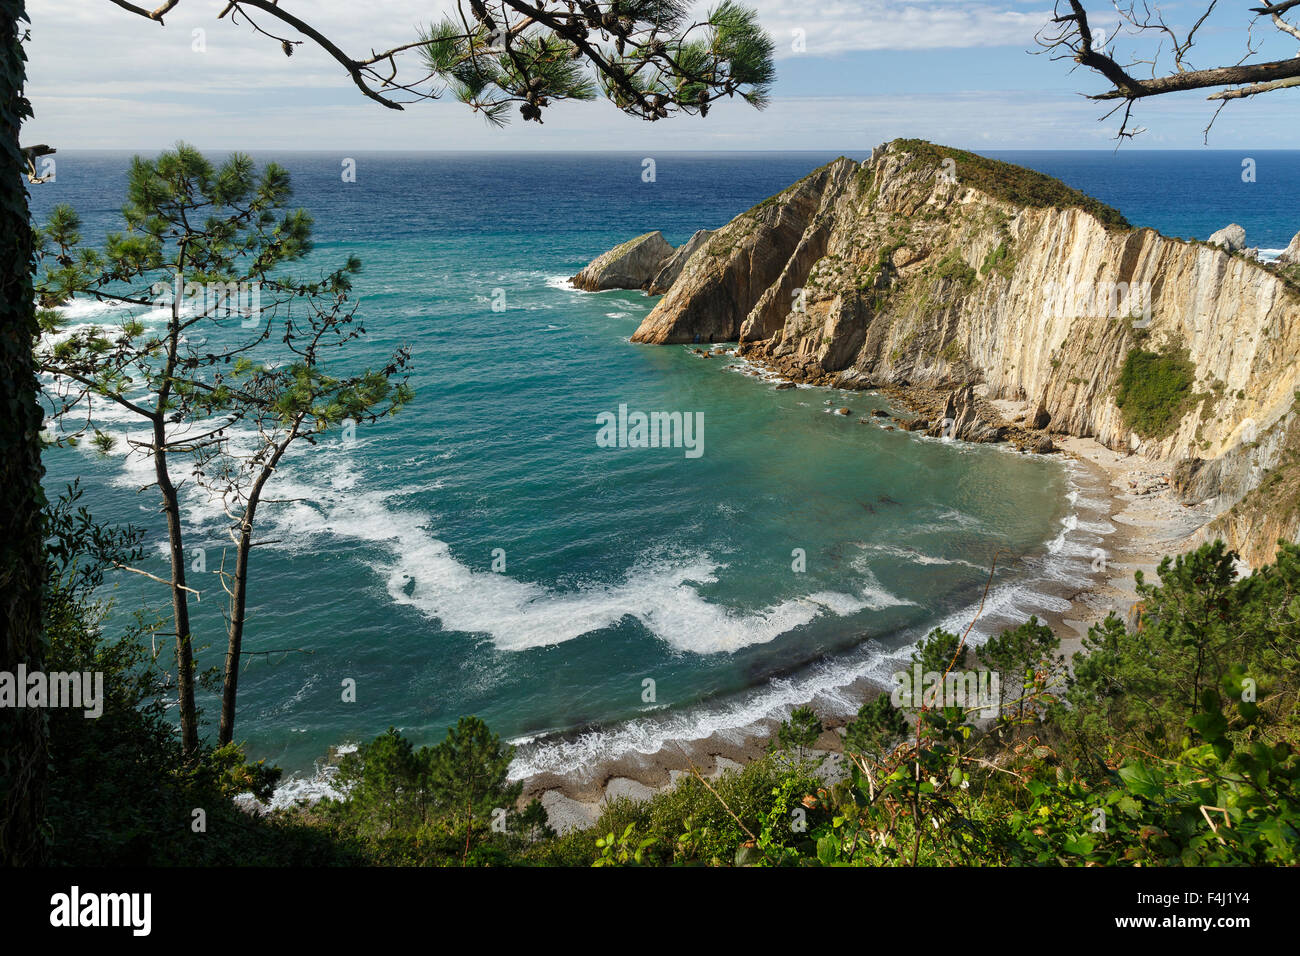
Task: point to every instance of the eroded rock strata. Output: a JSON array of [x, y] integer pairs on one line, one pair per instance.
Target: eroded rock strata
[[928, 269]]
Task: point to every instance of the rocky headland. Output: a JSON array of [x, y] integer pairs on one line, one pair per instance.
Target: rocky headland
[[1002, 305]]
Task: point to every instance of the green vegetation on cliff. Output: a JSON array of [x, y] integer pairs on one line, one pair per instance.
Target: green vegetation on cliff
[[1014, 184], [1153, 390]]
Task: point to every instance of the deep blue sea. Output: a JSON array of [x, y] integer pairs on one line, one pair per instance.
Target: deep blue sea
[[621, 565]]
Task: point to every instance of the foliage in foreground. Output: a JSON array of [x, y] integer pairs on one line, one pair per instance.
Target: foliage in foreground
[[1172, 742], [122, 791]]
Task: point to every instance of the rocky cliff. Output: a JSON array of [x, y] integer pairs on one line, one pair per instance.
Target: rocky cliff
[[928, 266]]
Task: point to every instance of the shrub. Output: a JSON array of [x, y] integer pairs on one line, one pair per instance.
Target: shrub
[[1153, 390]]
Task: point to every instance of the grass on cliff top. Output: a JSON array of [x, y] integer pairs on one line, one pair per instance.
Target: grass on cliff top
[[1015, 184], [1153, 391], [623, 247]]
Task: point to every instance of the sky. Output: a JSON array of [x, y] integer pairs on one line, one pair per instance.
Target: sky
[[851, 74]]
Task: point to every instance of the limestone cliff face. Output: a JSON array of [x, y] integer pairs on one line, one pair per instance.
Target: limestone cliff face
[[1291, 254], [927, 266]]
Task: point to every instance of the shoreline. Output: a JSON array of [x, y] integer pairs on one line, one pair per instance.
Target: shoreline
[[1124, 518]]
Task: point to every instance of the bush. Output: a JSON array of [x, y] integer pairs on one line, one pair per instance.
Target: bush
[[1153, 391], [121, 793]]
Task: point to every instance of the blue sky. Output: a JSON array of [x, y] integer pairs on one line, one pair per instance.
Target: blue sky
[[953, 72]]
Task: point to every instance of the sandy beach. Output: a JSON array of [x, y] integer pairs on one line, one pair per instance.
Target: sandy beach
[[1125, 508]]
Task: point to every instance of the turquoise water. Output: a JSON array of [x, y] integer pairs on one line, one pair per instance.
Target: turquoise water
[[614, 566]]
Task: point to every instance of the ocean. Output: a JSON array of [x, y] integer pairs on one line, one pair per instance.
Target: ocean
[[483, 553]]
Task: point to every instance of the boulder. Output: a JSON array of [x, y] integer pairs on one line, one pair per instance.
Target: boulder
[[1040, 418], [1231, 237], [961, 420], [1291, 254], [1040, 445], [1193, 481], [631, 265]]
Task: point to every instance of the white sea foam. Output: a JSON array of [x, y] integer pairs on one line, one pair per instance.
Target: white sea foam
[[564, 285], [296, 789], [732, 720], [914, 556], [514, 614], [518, 615], [826, 683]]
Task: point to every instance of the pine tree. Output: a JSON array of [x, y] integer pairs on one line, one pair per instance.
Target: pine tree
[[468, 775], [244, 343]]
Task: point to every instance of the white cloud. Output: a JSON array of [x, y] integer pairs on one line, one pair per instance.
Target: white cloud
[[101, 77], [845, 26], [95, 43]]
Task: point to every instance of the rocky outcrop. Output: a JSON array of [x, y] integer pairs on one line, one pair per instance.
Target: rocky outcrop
[[1231, 237], [962, 419], [934, 268], [632, 265], [722, 283], [671, 269], [1291, 254]]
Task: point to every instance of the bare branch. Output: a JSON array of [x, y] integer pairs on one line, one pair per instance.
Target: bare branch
[[147, 14]]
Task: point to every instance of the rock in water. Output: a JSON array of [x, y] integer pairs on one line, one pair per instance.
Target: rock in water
[[631, 265], [962, 421], [1040, 445], [1231, 237], [1291, 254]]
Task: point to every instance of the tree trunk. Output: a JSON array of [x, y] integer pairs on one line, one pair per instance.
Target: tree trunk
[[180, 597], [235, 634], [239, 592], [24, 744]]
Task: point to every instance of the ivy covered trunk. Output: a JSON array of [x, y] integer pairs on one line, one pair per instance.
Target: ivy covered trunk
[[23, 740]]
